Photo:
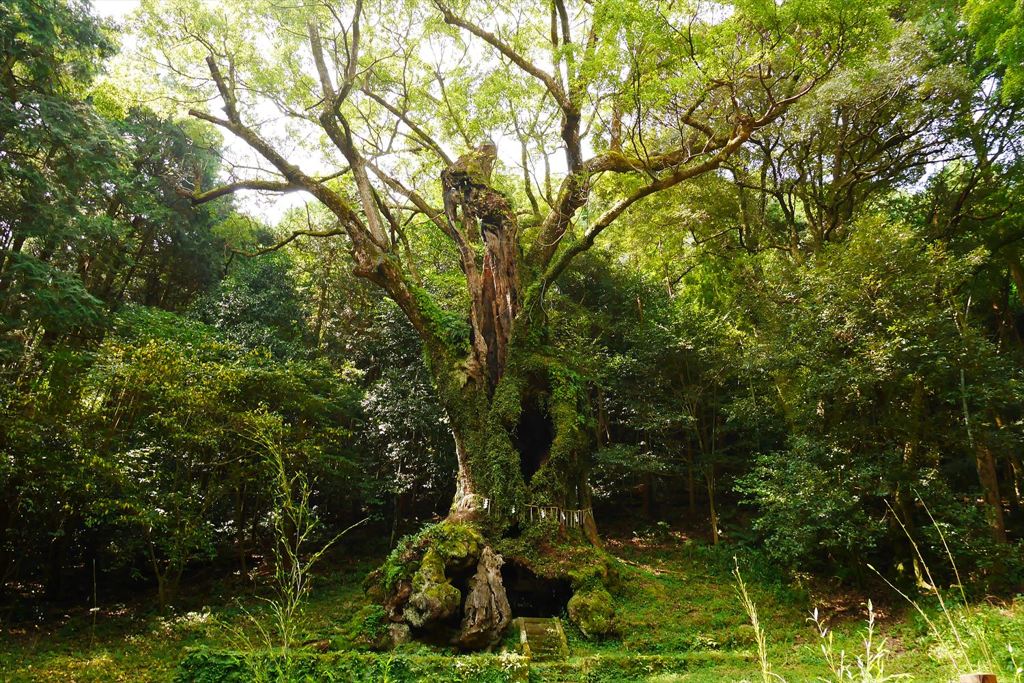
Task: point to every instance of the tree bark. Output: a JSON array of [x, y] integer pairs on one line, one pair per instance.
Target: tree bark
[[986, 464], [487, 612], [480, 214], [712, 511]]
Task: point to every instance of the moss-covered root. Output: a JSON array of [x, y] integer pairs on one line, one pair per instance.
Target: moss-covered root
[[548, 552], [433, 598], [415, 587], [414, 584], [487, 613], [592, 610]]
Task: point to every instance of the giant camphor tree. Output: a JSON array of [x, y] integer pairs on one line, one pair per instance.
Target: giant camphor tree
[[365, 105]]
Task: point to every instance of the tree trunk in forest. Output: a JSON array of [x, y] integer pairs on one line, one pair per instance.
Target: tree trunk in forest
[[522, 446], [903, 494], [521, 474], [240, 515], [1011, 481], [691, 483], [5, 280], [519, 420], [396, 514], [505, 401], [1010, 489], [712, 512], [989, 479], [58, 552], [474, 208], [1017, 273], [1017, 479]]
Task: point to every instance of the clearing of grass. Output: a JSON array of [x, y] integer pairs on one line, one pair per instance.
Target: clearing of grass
[[678, 618]]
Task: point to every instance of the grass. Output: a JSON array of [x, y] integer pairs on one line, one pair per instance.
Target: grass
[[133, 643], [678, 614]]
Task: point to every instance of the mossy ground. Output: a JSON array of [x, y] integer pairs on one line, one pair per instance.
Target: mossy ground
[[677, 619]]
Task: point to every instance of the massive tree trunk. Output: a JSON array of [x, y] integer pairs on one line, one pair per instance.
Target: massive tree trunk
[[519, 417], [522, 501], [513, 406], [522, 445]]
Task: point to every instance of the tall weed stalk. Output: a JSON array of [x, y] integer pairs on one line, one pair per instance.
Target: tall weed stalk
[[960, 625], [295, 527], [767, 675], [869, 667]]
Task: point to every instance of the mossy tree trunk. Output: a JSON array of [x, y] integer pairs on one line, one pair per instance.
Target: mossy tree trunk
[[519, 417], [516, 412], [521, 443]]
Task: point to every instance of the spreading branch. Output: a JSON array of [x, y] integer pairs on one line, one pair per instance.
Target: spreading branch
[[289, 239], [663, 183], [278, 186], [505, 49], [231, 188], [403, 116]]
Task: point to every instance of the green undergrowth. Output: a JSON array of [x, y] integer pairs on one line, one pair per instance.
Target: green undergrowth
[[132, 642], [202, 665], [211, 666], [677, 618]]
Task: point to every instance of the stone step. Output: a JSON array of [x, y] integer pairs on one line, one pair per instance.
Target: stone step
[[541, 638]]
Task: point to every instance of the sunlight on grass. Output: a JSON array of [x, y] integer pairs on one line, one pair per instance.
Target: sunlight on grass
[[678, 618]]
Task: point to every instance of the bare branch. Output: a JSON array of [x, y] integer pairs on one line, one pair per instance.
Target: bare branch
[[292, 174], [256, 184], [404, 118], [316, 47], [504, 48], [291, 238], [341, 135], [231, 188]]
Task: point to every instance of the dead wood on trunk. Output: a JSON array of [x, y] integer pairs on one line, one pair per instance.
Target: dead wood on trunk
[[487, 613], [484, 220]]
